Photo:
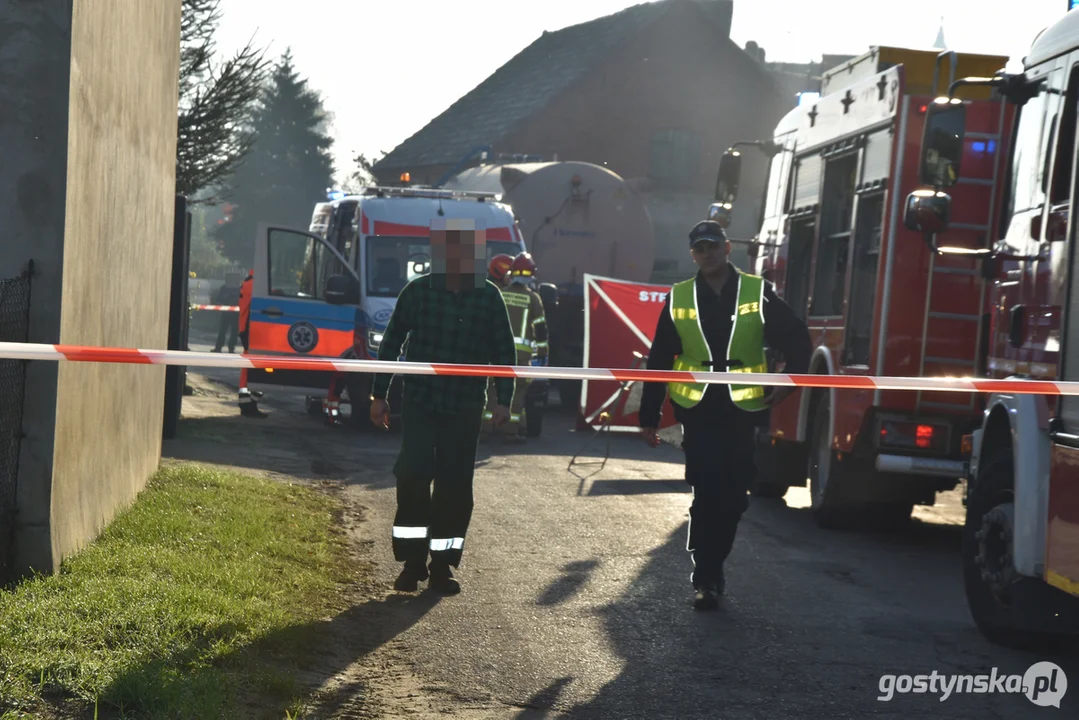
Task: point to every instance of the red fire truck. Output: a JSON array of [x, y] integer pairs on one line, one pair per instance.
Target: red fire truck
[[1021, 536], [876, 299]]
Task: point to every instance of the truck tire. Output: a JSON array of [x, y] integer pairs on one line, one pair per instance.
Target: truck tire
[[989, 574], [825, 479]]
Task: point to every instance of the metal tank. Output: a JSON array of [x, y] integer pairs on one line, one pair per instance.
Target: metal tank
[[576, 218]]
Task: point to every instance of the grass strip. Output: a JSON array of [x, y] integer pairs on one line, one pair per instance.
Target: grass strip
[[191, 603]]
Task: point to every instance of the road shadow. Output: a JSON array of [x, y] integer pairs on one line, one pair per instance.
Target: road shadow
[[538, 707], [287, 443], [322, 650], [802, 631], [574, 576], [637, 487], [777, 518]]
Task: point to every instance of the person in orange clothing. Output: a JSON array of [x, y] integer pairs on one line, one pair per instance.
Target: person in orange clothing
[[249, 401]]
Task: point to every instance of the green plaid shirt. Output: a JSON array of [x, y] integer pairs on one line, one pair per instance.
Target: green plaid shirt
[[471, 326]]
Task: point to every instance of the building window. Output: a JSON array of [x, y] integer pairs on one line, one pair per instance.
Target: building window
[[675, 158]]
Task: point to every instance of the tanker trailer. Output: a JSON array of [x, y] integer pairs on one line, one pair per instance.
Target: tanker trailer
[[576, 218]]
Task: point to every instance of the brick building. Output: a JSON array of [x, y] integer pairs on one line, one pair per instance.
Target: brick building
[[655, 92]]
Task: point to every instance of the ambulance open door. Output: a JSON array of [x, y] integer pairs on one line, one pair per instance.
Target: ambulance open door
[[305, 299]]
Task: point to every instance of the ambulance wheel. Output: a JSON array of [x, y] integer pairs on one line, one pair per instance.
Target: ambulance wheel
[[825, 480], [314, 406], [989, 573]]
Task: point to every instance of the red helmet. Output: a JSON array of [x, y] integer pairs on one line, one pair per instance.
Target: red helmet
[[523, 266], [499, 267]]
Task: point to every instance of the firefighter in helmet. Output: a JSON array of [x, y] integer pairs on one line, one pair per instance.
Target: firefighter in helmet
[[529, 327], [498, 269]]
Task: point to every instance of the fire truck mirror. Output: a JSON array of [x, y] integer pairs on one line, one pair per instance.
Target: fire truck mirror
[[928, 211], [942, 143], [730, 168]]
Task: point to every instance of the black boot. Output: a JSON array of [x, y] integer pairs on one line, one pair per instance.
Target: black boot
[[411, 575], [442, 580], [709, 586], [706, 597]]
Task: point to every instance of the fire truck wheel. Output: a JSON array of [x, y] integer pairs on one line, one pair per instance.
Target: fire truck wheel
[[989, 572], [825, 481]]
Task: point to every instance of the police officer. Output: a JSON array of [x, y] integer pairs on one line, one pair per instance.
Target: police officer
[[719, 320], [529, 326]]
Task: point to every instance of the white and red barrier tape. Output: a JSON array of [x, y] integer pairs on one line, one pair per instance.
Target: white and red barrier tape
[[79, 353], [222, 308]]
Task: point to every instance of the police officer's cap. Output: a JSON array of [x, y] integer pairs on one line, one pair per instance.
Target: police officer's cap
[[707, 230]]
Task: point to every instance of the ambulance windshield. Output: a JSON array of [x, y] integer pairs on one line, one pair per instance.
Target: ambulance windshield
[[393, 262]]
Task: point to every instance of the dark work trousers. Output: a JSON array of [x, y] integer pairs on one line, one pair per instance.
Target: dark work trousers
[[719, 467], [228, 324], [438, 448]]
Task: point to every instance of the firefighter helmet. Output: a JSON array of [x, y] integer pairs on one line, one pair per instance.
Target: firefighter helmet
[[499, 267], [523, 268]]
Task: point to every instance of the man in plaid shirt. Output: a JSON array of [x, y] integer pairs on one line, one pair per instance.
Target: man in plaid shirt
[[453, 315]]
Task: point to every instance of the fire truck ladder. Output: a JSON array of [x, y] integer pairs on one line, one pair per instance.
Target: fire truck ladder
[[968, 364]]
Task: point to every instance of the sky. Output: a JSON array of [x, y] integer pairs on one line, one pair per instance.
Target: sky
[[385, 68]]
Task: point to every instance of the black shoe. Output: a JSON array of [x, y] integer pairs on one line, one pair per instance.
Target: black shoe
[[410, 578], [251, 410], [706, 598], [442, 580]]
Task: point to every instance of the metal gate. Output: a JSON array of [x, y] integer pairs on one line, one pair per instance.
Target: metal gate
[[14, 327]]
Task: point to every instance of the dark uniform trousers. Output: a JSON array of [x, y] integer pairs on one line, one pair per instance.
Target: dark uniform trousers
[[719, 467], [438, 448]]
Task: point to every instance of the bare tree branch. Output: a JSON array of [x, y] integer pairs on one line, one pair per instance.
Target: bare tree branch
[[216, 100]]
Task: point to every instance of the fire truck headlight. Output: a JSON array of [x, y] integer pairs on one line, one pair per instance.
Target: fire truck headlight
[[374, 339]]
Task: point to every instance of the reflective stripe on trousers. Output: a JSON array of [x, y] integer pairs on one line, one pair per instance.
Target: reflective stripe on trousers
[[444, 544]]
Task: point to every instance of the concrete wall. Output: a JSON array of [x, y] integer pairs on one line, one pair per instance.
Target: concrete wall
[[94, 181], [34, 78]]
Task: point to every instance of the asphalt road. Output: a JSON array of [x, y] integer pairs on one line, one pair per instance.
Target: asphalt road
[[576, 599]]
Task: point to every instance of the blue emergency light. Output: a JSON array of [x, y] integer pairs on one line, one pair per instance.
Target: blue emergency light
[[1072, 4]]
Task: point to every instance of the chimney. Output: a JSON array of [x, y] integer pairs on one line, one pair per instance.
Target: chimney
[[755, 51]]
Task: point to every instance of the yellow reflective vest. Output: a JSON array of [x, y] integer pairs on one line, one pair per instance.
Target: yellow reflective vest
[[745, 349]]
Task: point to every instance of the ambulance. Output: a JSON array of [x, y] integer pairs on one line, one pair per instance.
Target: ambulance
[[329, 291], [1021, 535]]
